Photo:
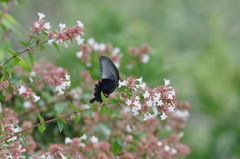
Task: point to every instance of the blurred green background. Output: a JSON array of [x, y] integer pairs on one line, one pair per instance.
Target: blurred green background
[[195, 44]]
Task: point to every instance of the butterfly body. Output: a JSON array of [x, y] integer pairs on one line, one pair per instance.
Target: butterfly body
[[109, 79]]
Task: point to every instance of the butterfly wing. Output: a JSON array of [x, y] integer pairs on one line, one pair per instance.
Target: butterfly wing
[[110, 78], [108, 69]]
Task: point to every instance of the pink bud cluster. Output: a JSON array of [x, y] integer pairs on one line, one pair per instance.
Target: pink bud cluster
[[141, 53], [62, 36], [147, 101], [101, 48], [49, 74]]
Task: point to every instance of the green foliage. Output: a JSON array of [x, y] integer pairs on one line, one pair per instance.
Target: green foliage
[[41, 128]]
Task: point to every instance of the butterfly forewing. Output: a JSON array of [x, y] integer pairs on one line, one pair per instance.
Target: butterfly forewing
[[108, 69]]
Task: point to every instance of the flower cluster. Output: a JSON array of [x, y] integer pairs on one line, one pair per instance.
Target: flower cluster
[[103, 49], [141, 53], [145, 100], [61, 36]]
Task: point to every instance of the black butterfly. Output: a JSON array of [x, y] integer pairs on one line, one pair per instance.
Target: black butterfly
[[109, 79]]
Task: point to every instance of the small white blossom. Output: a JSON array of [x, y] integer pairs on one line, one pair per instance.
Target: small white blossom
[[171, 108], [159, 102], [128, 128], [79, 40], [149, 103], [128, 102], [94, 139], [142, 85], [41, 16], [22, 90], [37, 25], [102, 47], [63, 157], [47, 26], [67, 77], [50, 41], [166, 148], [163, 116], [159, 143], [79, 54], [181, 113], [127, 109], [36, 98], [173, 150], [166, 82], [27, 104], [59, 89], [146, 94], [91, 41], [145, 58], [62, 26], [84, 137], [116, 51], [68, 140], [79, 23], [123, 83], [88, 64], [139, 80], [148, 116], [12, 139]]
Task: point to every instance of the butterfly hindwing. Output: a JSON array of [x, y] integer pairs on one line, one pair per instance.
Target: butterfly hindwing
[[109, 79]]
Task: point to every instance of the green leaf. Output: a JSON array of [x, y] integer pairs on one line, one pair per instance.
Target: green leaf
[[117, 145], [41, 128], [73, 106], [77, 118], [104, 99], [31, 57], [60, 125], [25, 44], [56, 46], [90, 112], [113, 101], [24, 140], [104, 110]]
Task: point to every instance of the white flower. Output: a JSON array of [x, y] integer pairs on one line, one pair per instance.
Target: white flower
[[94, 139], [128, 128], [32, 73], [62, 26], [84, 137], [173, 150], [146, 94], [91, 41], [171, 108], [41, 16], [181, 113], [148, 116], [160, 103], [68, 140], [47, 26], [37, 25], [159, 143], [79, 54], [123, 83], [88, 64], [166, 148], [22, 90], [59, 89], [102, 47], [67, 77], [62, 156], [116, 51], [36, 98], [50, 41], [79, 23], [79, 40], [143, 85], [139, 80], [12, 139], [127, 109], [149, 103], [145, 58], [163, 116], [27, 104], [166, 82], [128, 102]]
